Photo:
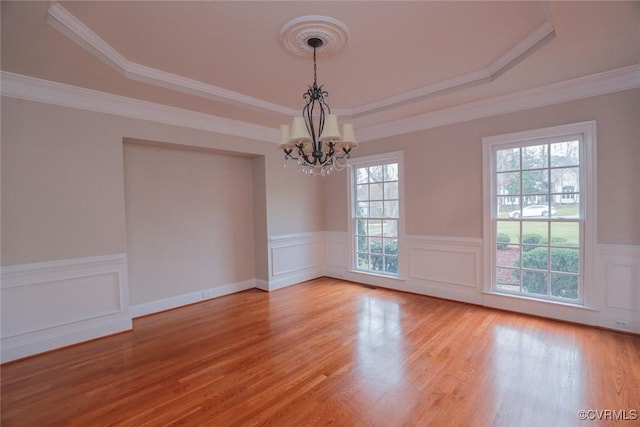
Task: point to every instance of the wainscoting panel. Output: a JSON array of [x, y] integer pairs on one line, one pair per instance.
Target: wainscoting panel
[[52, 304], [446, 267], [452, 268], [99, 294], [294, 258], [336, 252], [620, 279], [619, 273]]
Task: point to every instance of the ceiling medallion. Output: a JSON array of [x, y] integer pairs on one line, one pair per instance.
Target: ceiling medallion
[[295, 34]]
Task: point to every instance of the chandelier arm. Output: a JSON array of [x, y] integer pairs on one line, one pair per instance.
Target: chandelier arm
[[346, 154], [305, 157], [328, 157], [287, 154]]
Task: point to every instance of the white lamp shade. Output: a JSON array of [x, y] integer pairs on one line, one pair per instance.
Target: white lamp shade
[[348, 136], [285, 140], [330, 131], [299, 132]]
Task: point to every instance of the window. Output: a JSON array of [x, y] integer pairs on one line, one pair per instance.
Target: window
[[537, 217], [375, 192]]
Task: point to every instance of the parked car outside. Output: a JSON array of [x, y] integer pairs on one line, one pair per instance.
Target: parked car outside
[[533, 210]]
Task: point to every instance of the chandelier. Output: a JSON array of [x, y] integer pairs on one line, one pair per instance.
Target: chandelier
[[314, 139]]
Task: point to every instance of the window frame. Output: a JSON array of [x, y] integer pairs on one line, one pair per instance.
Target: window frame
[[586, 131], [376, 160]]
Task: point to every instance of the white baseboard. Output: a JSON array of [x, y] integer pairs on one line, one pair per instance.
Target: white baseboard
[[169, 303], [263, 285], [47, 305], [18, 347], [296, 277]]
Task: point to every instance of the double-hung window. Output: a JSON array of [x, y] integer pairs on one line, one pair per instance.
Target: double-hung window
[[376, 221], [539, 212]]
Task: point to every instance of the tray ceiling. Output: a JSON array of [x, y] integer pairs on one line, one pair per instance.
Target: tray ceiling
[[402, 58]]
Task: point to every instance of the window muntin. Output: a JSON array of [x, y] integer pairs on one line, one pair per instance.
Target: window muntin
[[538, 218], [376, 217]]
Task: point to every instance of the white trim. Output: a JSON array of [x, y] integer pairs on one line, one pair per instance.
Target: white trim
[[374, 160], [176, 301], [467, 241], [621, 313], [582, 87], [441, 283], [16, 275], [617, 275], [295, 277], [523, 49], [67, 322], [294, 237], [263, 285], [451, 268], [60, 19], [588, 189], [295, 258], [38, 90], [619, 250], [517, 53], [76, 30], [18, 347]]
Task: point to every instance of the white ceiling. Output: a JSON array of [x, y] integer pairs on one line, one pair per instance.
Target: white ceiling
[[402, 59]]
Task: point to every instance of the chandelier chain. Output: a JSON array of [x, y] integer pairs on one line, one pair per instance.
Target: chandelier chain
[[315, 68]]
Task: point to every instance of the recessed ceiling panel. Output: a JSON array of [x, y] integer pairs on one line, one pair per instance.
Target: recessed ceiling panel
[[235, 45]]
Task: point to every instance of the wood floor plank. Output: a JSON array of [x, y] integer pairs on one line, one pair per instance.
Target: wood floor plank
[[330, 352]]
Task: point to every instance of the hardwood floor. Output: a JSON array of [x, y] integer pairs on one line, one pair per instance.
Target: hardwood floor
[[328, 352]]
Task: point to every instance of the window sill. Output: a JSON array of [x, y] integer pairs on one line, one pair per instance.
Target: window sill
[[539, 300]]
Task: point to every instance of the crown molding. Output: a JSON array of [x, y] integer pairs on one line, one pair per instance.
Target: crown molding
[[72, 27], [583, 87], [38, 90], [517, 53], [62, 20]]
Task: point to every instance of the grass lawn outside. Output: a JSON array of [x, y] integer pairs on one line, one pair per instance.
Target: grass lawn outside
[[566, 233]]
